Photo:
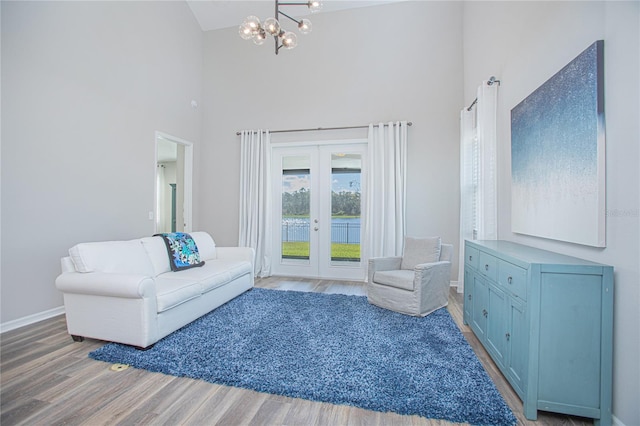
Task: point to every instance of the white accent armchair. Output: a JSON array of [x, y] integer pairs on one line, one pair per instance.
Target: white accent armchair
[[416, 283]]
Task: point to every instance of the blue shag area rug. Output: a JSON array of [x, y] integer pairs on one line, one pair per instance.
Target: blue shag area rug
[[331, 348]]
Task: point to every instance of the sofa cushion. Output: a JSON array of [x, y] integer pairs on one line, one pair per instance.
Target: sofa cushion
[[216, 273], [172, 291], [420, 250], [206, 245], [399, 278], [126, 257], [157, 252]]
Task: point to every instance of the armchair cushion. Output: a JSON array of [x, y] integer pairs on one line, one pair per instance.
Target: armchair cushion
[[401, 278], [420, 250]]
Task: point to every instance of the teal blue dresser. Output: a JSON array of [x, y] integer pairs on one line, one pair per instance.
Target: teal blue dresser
[[547, 321]]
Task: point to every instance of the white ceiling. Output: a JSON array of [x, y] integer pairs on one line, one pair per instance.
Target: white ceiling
[[217, 14]]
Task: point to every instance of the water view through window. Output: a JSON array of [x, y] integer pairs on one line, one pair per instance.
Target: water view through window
[[345, 209]]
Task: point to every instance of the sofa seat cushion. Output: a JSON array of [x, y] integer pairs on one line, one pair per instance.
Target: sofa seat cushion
[[172, 291], [401, 278], [215, 273]]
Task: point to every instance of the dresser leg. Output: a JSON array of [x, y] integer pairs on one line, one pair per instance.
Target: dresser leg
[[530, 411]]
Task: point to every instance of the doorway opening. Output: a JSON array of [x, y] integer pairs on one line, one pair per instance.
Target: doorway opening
[[173, 184]]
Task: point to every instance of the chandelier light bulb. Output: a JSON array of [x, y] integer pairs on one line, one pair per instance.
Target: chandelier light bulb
[[314, 5], [272, 26], [289, 40], [245, 32], [253, 23], [304, 26], [260, 37]]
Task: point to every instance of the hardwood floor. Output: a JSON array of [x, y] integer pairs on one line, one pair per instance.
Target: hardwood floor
[[47, 379]]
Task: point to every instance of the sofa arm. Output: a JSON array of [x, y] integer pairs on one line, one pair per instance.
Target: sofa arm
[[130, 286], [236, 253]]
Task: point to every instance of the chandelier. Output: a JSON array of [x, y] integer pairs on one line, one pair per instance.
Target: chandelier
[[252, 29]]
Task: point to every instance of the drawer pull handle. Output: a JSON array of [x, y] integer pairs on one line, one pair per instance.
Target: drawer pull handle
[[469, 297], [486, 267], [508, 336], [509, 280], [470, 258]]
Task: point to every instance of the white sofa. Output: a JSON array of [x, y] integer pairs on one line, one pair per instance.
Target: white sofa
[[125, 291]]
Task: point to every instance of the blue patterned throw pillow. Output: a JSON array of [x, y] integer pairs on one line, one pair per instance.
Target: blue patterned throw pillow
[[182, 249]]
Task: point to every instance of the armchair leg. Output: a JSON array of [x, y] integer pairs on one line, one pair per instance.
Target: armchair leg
[[140, 348], [77, 338]]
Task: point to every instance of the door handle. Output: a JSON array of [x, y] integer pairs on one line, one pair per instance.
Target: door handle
[[315, 228]]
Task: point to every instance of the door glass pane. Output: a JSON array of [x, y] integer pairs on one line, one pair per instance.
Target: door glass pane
[[296, 195], [345, 207]]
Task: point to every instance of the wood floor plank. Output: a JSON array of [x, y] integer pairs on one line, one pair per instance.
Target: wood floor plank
[[183, 407], [215, 406], [241, 411], [13, 414], [46, 378], [303, 412], [271, 412], [123, 404], [77, 404], [330, 414]]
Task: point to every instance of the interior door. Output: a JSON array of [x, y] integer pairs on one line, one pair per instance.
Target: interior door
[[317, 211]]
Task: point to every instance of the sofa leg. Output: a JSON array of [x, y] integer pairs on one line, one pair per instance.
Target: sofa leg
[[77, 338]]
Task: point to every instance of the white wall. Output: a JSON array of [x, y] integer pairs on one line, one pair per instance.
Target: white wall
[[85, 85], [384, 63], [525, 43]]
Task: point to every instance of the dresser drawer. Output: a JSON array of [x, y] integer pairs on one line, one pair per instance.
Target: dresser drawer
[[513, 278], [488, 265], [471, 257]]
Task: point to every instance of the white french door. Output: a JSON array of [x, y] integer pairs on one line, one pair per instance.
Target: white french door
[[317, 210]]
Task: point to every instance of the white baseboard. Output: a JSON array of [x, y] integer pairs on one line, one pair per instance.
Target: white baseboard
[[31, 319], [457, 285], [616, 421]]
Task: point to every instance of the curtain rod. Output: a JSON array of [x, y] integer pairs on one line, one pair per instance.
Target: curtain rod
[[490, 82], [409, 123]]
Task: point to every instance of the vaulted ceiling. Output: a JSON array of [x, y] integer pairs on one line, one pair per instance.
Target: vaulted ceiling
[[217, 14]]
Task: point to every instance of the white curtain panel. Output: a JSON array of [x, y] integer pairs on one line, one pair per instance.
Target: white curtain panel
[[385, 196], [467, 182], [487, 205], [255, 197], [478, 174]]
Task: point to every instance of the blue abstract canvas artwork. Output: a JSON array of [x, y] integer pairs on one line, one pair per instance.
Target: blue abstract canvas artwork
[[558, 157]]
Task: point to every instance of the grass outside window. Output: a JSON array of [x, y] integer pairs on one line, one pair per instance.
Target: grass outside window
[[300, 250]]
